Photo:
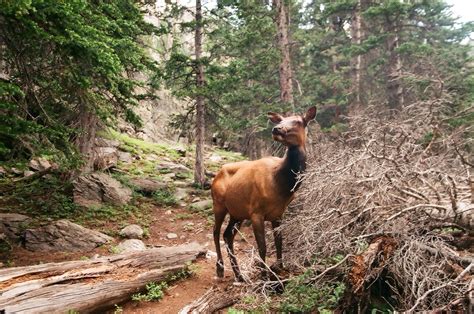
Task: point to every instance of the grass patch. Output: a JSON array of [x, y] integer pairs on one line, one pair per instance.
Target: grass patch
[[155, 291], [165, 197], [138, 147]]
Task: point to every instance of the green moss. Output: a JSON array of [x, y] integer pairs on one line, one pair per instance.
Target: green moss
[[138, 147]]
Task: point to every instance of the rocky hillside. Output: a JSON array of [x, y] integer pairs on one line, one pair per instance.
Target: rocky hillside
[[139, 191]]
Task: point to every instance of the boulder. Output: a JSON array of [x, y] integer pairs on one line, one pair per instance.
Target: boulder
[[171, 236], [125, 157], [97, 188], [147, 185], [132, 232], [16, 171], [166, 166], [105, 158], [131, 245], [202, 205], [181, 194], [41, 164], [3, 172], [12, 225], [103, 142], [215, 158], [63, 235]]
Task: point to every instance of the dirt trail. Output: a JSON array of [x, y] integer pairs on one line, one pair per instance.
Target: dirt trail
[[185, 291]]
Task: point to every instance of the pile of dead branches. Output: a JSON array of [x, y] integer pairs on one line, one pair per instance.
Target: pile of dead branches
[[394, 196]]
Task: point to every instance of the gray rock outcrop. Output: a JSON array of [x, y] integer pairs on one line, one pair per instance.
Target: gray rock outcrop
[[97, 188], [63, 235], [13, 225], [147, 185]]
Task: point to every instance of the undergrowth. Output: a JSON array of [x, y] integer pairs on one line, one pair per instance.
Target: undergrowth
[[155, 291]]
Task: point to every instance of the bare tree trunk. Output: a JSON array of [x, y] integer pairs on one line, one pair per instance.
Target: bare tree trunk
[[87, 124], [282, 22], [358, 62], [199, 176], [395, 97]]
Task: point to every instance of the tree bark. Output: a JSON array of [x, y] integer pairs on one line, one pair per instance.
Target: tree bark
[[358, 62], [282, 22], [212, 301], [90, 285], [87, 123], [395, 93], [199, 176]]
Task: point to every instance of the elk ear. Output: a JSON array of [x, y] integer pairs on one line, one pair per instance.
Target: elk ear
[[310, 115], [274, 117]]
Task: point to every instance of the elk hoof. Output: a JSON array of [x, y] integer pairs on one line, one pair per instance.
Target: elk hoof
[[277, 267], [220, 269]]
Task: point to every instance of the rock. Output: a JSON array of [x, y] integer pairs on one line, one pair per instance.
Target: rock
[[132, 232], [13, 225], [147, 185], [182, 184], [131, 245], [169, 176], [28, 173], [97, 188], [202, 205], [168, 212], [41, 164], [215, 158], [124, 157], [181, 151], [103, 142], [16, 171], [172, 236], [181, 194], [195, 200], [63, 235], [105, 158], [3, 172], [152, 157], [165, 166]]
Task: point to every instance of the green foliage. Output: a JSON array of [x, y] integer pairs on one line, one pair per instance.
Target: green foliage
[[165, 196], [154, 292], [303, 296], [77, 58]]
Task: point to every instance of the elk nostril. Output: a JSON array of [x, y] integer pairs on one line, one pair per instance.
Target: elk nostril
[[276, 130]]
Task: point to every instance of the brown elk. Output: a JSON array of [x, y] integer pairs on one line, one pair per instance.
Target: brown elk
[[260, 190]]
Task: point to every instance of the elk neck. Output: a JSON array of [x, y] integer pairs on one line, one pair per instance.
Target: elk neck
[[293, 163]]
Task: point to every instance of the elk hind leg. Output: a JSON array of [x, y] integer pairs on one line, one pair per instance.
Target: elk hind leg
[[219, 215], [229, 235]]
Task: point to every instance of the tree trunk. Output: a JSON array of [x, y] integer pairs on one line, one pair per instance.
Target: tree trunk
[[282, 22], [199, 176], [395, 96], [90, 285], [87, 125], [358, 62]]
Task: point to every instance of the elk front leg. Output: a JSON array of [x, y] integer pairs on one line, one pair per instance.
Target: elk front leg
[[278, 245], [258, 225]]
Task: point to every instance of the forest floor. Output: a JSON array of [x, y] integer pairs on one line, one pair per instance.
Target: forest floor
[[152, 212]]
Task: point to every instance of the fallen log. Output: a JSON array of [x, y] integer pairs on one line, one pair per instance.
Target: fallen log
[[89, 285], [213, 300]]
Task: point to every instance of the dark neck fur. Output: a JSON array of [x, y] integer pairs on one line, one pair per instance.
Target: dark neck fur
[[294, 162]]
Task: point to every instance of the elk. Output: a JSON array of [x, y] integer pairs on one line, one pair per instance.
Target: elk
[[260, 190]]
